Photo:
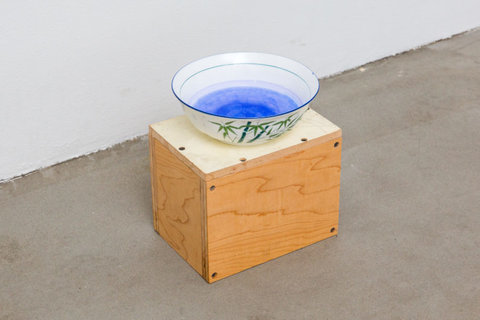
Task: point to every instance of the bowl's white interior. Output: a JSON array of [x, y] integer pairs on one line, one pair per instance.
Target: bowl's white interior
[[245, 69]]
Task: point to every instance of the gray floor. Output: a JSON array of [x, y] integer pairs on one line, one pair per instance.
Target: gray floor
[[76, 239]]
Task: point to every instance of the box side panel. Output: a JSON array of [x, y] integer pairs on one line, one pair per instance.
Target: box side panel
[[261, 213], [177, 204]]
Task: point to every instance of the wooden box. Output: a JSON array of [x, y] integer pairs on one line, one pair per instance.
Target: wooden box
[[227, 208]]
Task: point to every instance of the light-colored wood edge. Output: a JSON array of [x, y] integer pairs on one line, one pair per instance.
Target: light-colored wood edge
[[203, 196], [251, 163], [153, 185], [177, 153]]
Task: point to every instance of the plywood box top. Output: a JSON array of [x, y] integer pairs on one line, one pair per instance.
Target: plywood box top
[[211, 159]]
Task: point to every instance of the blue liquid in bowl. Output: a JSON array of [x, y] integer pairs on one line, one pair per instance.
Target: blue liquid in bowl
[[245, 102]]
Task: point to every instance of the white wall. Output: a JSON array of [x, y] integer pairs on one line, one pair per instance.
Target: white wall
[[77, 76]]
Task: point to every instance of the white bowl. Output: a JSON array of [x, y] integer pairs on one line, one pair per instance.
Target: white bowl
[[244, 98]]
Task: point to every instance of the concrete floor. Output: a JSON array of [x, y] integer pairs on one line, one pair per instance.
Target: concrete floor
[[77, 242]]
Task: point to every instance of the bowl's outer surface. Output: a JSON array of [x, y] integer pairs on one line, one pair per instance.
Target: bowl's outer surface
[[194, 77], [244, 131]]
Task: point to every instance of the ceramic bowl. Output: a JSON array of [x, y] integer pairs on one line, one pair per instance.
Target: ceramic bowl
[[244, 98]]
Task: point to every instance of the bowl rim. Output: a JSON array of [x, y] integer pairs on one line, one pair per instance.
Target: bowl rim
[[246, 52]]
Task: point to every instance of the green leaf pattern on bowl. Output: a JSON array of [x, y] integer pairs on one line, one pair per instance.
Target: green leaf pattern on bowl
[[249, 132]]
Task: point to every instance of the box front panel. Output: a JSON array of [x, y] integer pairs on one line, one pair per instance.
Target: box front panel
[[261, 213]]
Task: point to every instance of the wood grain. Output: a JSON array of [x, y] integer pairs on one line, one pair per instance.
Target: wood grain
[[178, 204], [267, 211]]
